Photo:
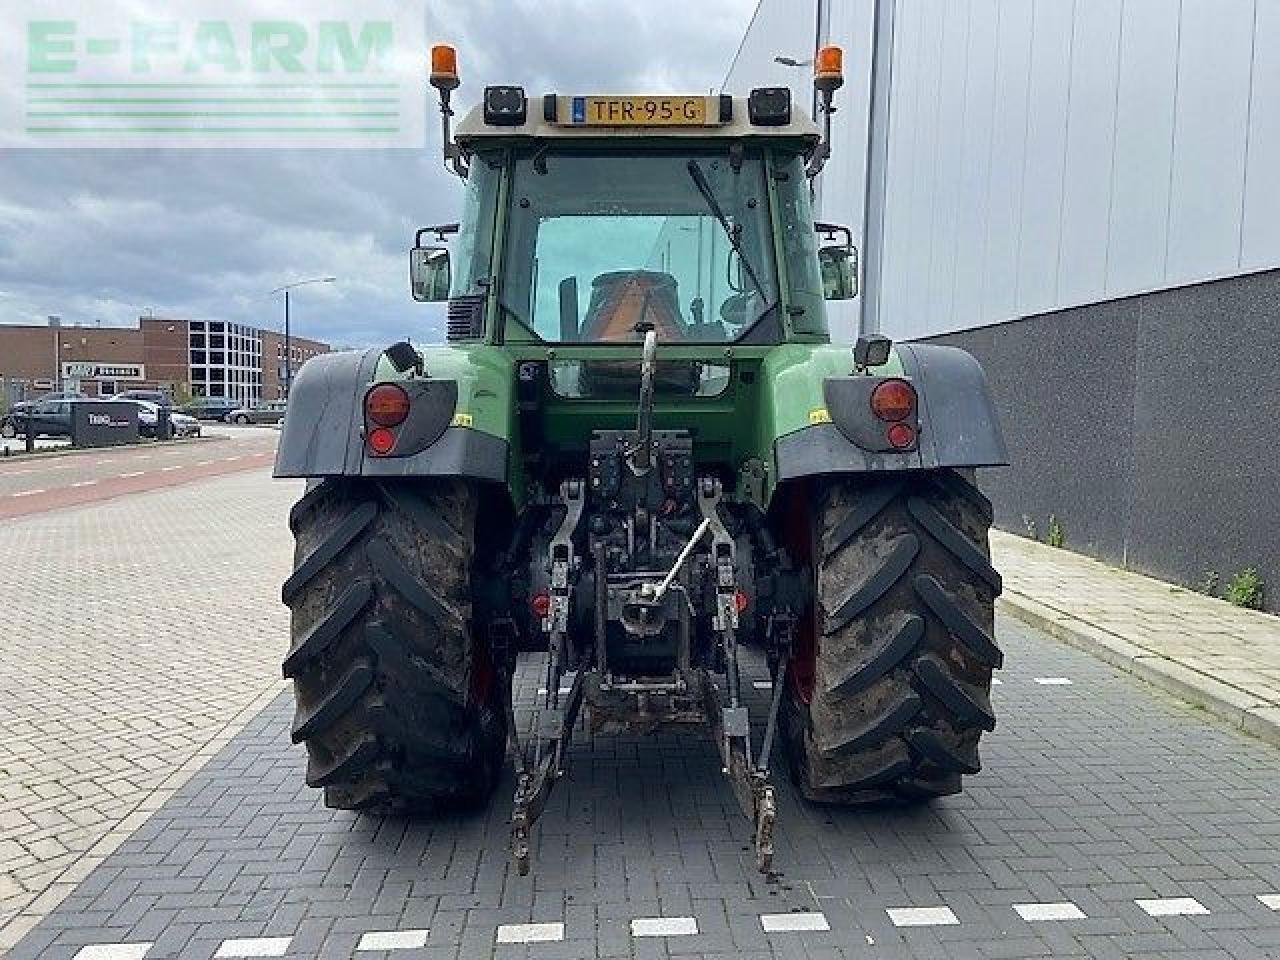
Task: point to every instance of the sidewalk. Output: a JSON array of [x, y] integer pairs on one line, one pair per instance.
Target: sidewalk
[[1205, 651]]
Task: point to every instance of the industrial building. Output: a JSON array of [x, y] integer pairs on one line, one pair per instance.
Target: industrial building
[[199, 358], [1084, 196]]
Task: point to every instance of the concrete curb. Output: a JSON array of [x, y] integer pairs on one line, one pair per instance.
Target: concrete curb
[[1236, 707]]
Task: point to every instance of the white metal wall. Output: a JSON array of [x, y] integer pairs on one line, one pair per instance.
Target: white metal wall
[[1049, 153], [787, 28], [1058, 152]]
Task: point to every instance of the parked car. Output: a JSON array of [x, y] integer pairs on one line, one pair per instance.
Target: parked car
[[272, 411], [158, 397], [49, 418], [149, 420], [210, 408]]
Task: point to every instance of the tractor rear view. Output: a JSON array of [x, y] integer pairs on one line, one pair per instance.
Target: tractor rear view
[[639, 459]]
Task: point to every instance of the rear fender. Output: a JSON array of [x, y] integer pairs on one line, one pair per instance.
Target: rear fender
[[956, 422], [460, 421]]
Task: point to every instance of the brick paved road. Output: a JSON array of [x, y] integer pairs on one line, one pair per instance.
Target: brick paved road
[[131, 634], [1110, 821], [1098, 793]]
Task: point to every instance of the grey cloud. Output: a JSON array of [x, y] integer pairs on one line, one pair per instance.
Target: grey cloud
[[102, 235]]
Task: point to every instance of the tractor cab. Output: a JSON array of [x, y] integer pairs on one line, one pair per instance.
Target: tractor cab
[[590, 220]]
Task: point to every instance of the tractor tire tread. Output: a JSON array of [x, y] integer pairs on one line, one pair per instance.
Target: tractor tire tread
[[383, 656], [902, 639]]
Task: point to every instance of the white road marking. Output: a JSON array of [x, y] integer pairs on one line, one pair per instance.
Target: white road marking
[[28, 493], [393, 940], [102, 463], [761, 684], [1271, 900], [1053, 681], [113, 951], [922, 916], [810, 921], [1049, 911], [174, 467], [204, 463], [135, 473], [530, 932], [83, 483], [1173, 907], [254, 947], [230, 459], [664, 926]]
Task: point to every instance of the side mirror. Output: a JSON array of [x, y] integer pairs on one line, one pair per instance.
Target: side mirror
[[429, 274], [839, 271]]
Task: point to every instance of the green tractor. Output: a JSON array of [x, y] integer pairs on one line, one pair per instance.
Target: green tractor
[[637, 455]]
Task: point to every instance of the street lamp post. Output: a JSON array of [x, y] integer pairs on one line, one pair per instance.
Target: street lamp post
[[288, 350]]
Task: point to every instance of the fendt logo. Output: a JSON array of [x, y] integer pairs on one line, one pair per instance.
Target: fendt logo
[[245, 73]]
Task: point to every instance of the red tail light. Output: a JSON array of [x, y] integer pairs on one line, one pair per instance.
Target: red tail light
[[893, 400], [381, 441], [387, 405], [540, 603], [900, 436]]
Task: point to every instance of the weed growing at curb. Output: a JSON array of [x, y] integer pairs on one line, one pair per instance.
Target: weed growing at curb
[[1246, 589], [1057, 534], [1030, 524]]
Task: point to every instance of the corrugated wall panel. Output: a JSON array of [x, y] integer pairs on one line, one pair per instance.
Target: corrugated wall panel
[[1210, 138], [1091, 124], [1148, 80], [1002, 192], [1043, 164], [1260, 231], [975, 163], [903, 134], [1130, 145]]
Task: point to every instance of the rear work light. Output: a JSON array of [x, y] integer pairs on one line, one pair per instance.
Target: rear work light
[[387, 405], [893, 400]]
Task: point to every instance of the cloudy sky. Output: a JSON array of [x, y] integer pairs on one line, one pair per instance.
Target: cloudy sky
[[101, 236]]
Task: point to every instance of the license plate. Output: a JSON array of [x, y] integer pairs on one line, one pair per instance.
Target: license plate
[[639, 111]]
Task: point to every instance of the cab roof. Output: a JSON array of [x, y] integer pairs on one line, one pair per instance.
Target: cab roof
[[473, 131]]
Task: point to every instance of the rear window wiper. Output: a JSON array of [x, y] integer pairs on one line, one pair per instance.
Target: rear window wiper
[[731, 231]]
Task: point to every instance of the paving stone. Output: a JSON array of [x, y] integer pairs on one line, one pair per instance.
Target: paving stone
[[1098, 793]]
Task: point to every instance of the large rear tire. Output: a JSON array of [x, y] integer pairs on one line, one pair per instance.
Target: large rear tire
[[890, 678], [398, 701]]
